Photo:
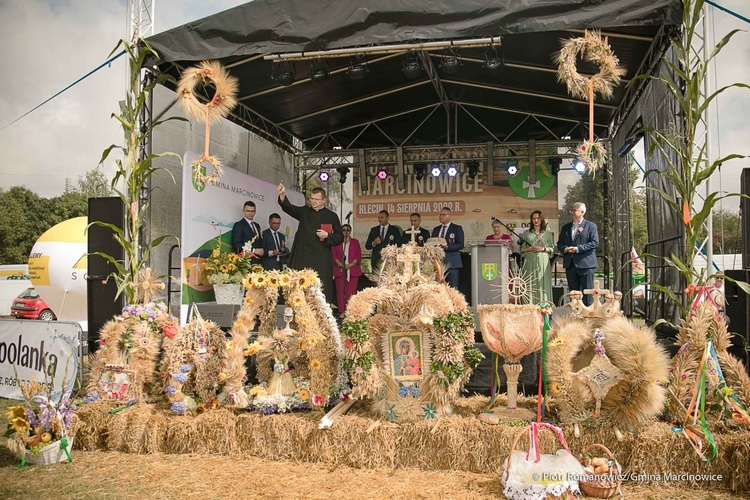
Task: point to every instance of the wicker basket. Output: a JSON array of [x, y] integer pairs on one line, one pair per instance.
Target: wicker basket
[[229, 293], [50, 454], [604, 489]]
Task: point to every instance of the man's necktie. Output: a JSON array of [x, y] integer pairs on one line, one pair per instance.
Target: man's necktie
[[382, 233], [443, 231], [276, 240], [575, 229]]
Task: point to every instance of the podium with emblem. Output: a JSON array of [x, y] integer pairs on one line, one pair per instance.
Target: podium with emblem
[[489, 274]]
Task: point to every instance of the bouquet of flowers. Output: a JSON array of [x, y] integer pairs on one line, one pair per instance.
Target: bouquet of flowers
[[40, 423], [155, 314], [228, 267]]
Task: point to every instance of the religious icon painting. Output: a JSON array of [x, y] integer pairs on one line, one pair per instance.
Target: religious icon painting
[[116, 383], [406, 353]]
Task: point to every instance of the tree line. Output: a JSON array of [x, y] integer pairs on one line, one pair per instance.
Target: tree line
[[26, 215]]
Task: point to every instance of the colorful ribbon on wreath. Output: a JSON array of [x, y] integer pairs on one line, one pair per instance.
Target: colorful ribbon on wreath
[[546, 308], [534, 428], [703, 294]]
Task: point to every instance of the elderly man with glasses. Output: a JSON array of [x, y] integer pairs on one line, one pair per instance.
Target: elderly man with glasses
[[318, 232], [578, 242]]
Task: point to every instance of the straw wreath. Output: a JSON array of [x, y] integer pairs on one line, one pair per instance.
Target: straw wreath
[[591, 48], [225, 96]]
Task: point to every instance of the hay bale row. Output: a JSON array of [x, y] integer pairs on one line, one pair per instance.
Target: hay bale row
[[458, 443]]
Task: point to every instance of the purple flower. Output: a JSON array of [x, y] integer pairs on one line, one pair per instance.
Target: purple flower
[[91, 397], [171, 390], [180, 377], [30, 417], [185, 368], [403, 391], [414, 390], [179, 408], [269, 410], [598, 335], [599, 349]]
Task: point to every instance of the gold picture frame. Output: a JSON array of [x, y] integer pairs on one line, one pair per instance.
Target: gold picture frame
[[407, 356]]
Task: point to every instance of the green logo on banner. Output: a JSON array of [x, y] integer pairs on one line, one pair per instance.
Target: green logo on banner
[[197, 185], [489, 271], [520, 184]]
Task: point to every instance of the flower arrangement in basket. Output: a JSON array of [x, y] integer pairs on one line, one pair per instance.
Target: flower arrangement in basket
[[229, 267], [38, 430], [604, 473]]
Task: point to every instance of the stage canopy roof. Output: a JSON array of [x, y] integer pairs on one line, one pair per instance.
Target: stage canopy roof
[[519, 101]]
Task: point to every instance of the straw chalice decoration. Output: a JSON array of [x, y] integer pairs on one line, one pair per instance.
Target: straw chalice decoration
[[511, 331]]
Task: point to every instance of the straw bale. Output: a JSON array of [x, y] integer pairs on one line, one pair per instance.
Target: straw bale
[[456, 443]]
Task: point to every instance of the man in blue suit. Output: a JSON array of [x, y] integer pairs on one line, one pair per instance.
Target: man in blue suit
[[454, 242], [578, 243], [245, 230], [274, 245], [381, 236]]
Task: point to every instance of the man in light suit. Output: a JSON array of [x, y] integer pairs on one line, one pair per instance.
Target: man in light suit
[[578, 243], [421, 237], [454, 242], [246, 229], [274, 245], [381, 236]]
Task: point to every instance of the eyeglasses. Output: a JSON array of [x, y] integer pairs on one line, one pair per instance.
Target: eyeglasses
[[317, 199], [346, 230]]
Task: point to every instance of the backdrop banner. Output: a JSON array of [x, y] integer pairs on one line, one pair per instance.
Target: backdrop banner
[[46, 352], [208, 213]]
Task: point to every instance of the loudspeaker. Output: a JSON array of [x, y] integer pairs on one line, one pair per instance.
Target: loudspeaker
[[745, 215], [101, 288], [738, 313]]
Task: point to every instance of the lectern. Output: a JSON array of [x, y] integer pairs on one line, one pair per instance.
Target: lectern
[[489, 275]]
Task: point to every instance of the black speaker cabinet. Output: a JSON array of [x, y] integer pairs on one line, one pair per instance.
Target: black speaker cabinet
[[101, 288], [737, 311], [745, 215]]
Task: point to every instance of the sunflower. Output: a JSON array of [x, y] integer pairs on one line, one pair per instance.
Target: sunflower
[[315, 364], [303, 345], [284, 280], [232, 257], [257, 391], [252, 349], [303, 282], [298, 300], [14, 412], [260, 281], [304, 394], [555, 387], [215, 253], [311, 343], [273, 281], [19, 424], [557, 341], [223, 268], [200, 408]]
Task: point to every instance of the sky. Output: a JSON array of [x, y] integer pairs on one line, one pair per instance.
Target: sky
[[56, 42]]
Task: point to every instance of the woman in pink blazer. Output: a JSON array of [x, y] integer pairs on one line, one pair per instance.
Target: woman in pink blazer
[[346, 270]]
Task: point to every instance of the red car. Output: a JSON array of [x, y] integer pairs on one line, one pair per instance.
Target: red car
[[29, 305]]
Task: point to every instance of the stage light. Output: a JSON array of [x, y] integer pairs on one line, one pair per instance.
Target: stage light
[[450, 65], [493, 63], [452, 171], [419, 170], [324, 176], [357, 71], [342, 174], [411, 68], [579, 166], [382, 174], [473, 167], [512, 169], [285, 73], [435, 171], [319, 75], [555, 165]]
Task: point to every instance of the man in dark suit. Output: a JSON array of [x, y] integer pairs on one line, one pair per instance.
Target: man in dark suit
[[381, 236], [454, 242], [245, 230], [578, 243], [274, 245], [420, 236]]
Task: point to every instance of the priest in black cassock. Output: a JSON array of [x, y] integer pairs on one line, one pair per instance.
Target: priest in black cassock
[[313, 241]]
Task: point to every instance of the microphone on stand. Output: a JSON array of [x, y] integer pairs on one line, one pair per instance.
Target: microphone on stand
[[348, 216]]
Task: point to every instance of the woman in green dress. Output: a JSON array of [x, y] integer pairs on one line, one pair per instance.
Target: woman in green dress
[[537, 245]]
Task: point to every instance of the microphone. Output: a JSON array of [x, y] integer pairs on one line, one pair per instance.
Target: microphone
[[348, 216], [493, 218]]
